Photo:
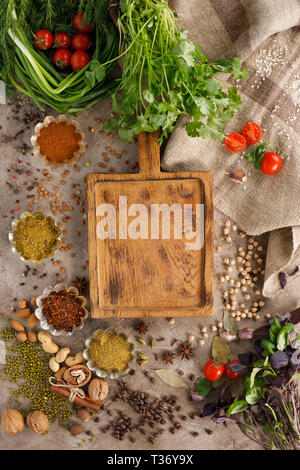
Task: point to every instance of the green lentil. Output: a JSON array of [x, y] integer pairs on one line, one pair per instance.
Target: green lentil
[[27, 367]]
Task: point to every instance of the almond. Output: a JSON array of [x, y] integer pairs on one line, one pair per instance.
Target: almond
[[22, 303], [33, 301], [32, 320], [23, 313], [16, 325], [22, 336], [32, 336]]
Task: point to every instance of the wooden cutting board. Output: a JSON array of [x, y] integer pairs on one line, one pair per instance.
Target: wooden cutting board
[[143, 263]]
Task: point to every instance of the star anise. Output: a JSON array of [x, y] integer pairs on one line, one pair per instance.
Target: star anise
[[185, 350], [142, 328], [168, 357], [81, 284]]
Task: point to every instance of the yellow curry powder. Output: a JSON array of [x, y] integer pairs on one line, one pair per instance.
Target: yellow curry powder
[[110, 351], [36, 237]]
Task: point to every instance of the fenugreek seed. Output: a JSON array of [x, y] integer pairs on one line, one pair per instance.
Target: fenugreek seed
[[261, 303], [226, 260], [237, 318], [221, 279], [225, 231], [240, 248], [243, 315], [225, 294], [253, 310], [226, 277], [228, 239], [243, 289], [227, 306], [233, 315], [234, 228], [255, 304], [232, 261], [218, 249]]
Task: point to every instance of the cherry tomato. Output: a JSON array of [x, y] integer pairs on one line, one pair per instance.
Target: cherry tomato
[[62, 40], [81, 25], [230, 374], [62, 58], [271, 163], [79, 60], [252, 132], [81, 42], [235, 143], [213, 370], [43, 39]]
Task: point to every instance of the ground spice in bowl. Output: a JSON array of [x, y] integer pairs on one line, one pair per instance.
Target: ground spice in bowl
[[59, 141], [63, 309], [108, 352], [35, 237]]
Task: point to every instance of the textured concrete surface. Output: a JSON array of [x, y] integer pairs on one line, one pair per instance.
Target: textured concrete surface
[[19, 171]]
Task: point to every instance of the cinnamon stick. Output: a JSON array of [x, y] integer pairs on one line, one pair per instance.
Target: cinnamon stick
[[86, 402]]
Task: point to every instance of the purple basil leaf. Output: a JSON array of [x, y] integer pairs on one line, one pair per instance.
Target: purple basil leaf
[[277, 381], [196, 397], [295, 271], [237, 368], [295, 359], [295, 316], [246, 358], [262, 331], [257, 346], [209, 409], [222, 420], [279, 359], [282, 279]]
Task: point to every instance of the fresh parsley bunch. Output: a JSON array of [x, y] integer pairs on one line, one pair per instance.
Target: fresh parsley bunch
[[165, 75]]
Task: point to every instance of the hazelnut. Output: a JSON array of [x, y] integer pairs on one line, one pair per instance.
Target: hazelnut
[[12, 422], [98, 389], [84, 414], [76, 429], [37, 422]]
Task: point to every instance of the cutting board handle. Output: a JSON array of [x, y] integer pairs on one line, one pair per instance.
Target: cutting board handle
[[149, 154]]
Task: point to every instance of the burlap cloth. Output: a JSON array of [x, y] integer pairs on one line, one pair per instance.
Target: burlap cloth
[[265, 34]]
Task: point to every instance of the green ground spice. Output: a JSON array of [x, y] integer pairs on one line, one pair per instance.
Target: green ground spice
[[36, 237], [27, 367], [110, 351]]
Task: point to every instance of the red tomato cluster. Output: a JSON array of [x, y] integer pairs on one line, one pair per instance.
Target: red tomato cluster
[[80, 43], [213, 370], [251, 134]]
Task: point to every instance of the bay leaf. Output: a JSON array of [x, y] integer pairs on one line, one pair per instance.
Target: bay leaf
[[230, 324], [220, 350], [170, 377]]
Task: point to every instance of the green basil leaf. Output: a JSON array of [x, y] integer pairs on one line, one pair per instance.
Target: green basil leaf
[[283, 337], [274, 330], [268, 346], [237, 407], [203, 386]]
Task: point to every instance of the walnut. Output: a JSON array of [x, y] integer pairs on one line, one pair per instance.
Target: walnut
[[12, 422], [37, 422], [98, 389]]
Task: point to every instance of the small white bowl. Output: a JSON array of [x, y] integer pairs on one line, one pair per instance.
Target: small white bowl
[[48, 120], [43, 319], [98, 371]]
